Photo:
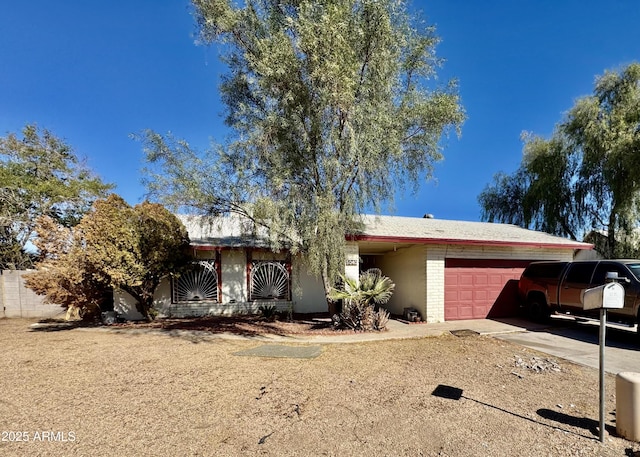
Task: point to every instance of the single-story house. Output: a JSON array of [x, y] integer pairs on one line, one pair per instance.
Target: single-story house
[[446, 270]]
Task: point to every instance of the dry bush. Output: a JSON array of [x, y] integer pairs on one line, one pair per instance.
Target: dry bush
[[381, 319]]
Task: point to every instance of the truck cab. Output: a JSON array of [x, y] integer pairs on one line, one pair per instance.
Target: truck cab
[[626, 271], [577, 277], [558, 286]]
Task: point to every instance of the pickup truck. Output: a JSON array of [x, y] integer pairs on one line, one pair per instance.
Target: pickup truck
[[545, 287]]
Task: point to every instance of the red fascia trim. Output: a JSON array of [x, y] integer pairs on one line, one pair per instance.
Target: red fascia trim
[[200, 247], [404, 239], [207, 247]]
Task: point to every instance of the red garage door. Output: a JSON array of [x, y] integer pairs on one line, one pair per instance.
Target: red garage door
[[471, 287]]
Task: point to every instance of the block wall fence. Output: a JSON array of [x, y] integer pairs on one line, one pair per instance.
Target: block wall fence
[[16, 300]]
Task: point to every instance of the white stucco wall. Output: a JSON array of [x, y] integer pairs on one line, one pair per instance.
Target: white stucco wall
[[352, 261], [406, 268], [125, 305], [162, 297], [308, 291], [233, 269]]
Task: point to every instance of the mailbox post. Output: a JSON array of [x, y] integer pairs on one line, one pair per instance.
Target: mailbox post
[[607, 296]]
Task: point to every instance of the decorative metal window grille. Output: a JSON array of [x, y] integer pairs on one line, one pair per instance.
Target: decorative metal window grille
[[269, 281], [200, 283]]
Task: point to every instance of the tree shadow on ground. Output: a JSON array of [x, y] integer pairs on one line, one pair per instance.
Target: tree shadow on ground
[[197, 329], [57, 325], [246, 325]]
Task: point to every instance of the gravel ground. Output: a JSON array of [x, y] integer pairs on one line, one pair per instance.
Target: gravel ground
[[84, 392]]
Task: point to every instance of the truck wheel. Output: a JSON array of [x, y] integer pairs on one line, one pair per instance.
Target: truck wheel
[[538, 310]]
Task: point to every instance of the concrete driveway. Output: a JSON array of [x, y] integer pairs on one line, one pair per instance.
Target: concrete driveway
[[577, 341]]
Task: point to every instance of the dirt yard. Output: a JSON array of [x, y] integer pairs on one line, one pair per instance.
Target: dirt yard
[[127, 392]]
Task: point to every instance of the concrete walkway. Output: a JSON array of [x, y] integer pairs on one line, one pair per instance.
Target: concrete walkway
[[579, 343], [560, 338]]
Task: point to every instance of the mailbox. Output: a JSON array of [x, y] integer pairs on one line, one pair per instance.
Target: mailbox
[[608, 296]]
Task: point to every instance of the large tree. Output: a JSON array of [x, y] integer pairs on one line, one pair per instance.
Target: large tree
[[332, 108], [39, 176], [134, 248], [114, 246], [585, 177], [64, 276]]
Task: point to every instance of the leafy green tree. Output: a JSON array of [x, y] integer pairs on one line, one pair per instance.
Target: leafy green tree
[[39, 176], [585, 176], [332, 108], [113, 246]]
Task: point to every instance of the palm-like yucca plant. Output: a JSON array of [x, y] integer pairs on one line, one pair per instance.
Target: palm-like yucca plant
[[375, 288], [348, 292], [361, 300]]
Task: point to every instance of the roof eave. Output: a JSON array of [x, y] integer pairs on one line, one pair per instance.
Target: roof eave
[[497, 243]]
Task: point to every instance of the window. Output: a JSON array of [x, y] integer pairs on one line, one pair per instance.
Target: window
[[199, 283], [544, 270], [269, 280], [635, 269], [580, 272], [600, 276]]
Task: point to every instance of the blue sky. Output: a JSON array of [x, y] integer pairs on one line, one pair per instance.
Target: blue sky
[[96, 72]]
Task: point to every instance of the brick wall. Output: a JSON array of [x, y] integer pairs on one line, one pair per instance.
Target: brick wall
[[16, 300], [435, 283]]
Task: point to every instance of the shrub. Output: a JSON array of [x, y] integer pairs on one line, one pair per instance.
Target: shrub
[[361, 301], [356, 316], [381, 319], [269, 312]]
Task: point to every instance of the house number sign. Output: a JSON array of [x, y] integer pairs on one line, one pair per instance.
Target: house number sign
[[352, 262]]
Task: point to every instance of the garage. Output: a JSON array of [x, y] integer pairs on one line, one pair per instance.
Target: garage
[[453, 270], [474, 289]]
